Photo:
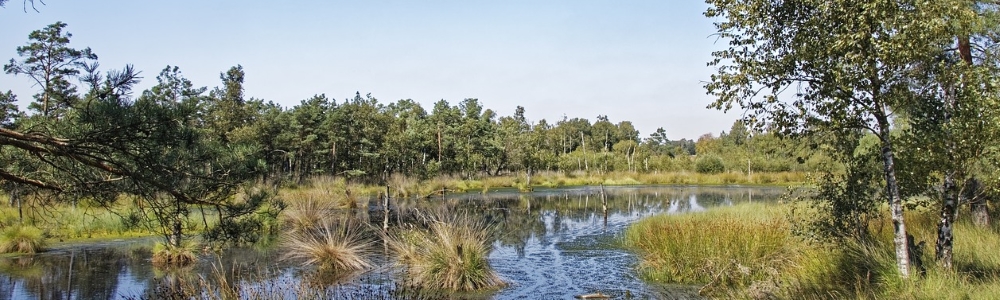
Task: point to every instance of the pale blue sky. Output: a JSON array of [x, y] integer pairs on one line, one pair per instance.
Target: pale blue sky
[[642, 61]]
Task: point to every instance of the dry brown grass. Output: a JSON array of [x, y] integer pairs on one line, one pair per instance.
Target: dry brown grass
[[341, 248], [450, 254]]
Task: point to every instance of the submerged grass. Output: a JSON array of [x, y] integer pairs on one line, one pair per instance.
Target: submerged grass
[[748, 251], [450, 254]]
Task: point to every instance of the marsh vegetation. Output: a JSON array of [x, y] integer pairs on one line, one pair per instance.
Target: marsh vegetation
[[548, 242]]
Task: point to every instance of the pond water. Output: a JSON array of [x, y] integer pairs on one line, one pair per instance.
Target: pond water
[[552, 244]]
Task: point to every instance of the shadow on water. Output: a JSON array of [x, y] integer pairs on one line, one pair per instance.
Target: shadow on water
[[552, 243]]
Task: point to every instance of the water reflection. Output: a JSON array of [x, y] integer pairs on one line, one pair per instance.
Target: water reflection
[[553, 243]]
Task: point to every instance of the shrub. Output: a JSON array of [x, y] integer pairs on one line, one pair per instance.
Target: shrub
[[709, 164]]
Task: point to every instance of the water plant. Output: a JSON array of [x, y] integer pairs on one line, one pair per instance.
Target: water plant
[[166, 255], [21, 239], [340, 249], [449, 254]]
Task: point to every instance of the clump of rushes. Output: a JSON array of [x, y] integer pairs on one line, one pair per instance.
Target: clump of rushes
[[22, 239], [450, 254], [168, 255], [341, 249]]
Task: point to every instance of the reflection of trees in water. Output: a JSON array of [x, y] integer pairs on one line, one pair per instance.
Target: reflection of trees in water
[[525, 216], [94, 273], [114, 271], [76, 274]]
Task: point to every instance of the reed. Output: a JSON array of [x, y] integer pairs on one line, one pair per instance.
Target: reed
[[304, 215]]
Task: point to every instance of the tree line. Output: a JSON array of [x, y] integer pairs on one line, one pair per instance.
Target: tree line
[[87, 135], [363, 138]]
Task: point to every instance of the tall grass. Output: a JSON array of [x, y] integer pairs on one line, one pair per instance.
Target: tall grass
[[21, 239], [307, 214], [327, 189], [722, 249], [450, 254], [339, 249], [748, 251]]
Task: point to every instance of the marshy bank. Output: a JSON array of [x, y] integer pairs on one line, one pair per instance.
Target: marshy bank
[[749, 251], [554, 243]]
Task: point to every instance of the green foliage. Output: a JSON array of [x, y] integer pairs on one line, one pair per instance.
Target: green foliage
[[51, 63], [167, 255], [21, 239], [843, 204], [709, 164]]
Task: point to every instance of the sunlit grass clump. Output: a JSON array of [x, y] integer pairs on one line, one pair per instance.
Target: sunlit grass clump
[[307, 214], [450, 254], [726, 248], [21, 239], [749, 251], [168, 255], [336, 192], [340, 249]]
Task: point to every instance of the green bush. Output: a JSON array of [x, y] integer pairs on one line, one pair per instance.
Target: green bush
[[709, 164]]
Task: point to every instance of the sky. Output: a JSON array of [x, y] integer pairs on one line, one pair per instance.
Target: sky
[[642, 61]]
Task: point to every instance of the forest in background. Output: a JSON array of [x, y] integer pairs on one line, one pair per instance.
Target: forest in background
[[364, 139]]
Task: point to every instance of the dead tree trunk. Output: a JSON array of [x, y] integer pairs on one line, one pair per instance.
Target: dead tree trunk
[[977, 203]]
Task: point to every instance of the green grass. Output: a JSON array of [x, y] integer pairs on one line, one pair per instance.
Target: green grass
[[451, 254], [21, 239], [169, 256], [748, 251], [721, 249]]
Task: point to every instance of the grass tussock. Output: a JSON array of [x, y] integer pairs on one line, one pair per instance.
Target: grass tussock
[[403, 186], [340, 249], [450, 254], [307, 214], [22, 239], [167, 255]]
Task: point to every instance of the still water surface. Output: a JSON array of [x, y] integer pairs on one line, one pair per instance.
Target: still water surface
[[553, 244]]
